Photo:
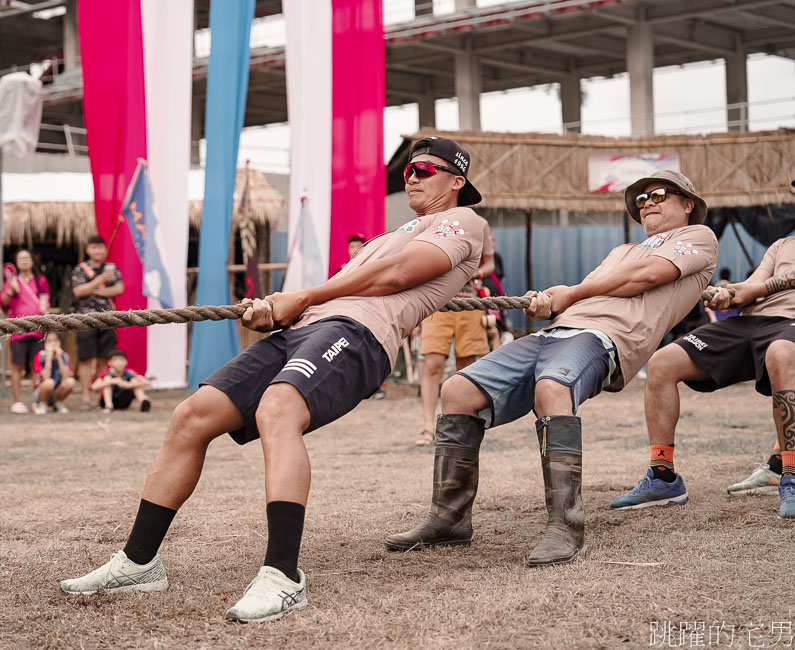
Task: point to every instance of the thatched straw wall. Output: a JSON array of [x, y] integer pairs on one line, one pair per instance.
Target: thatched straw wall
[[71, 223], [542, 171]]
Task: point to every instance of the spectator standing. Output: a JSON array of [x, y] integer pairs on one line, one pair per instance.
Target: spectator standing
[[55, 375], [25, 293], [95, 284]]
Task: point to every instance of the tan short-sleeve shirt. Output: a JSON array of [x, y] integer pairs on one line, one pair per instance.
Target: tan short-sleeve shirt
[[458, 232], [779, 258], [637, 325]]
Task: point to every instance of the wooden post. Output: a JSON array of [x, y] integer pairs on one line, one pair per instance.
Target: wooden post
[[627, 227], [528, 252]]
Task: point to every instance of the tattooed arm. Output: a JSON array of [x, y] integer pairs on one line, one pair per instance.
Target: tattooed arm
[[780, 282]]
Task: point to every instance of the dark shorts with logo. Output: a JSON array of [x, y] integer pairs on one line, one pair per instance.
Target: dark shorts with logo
[[334, 363], [734, 350]]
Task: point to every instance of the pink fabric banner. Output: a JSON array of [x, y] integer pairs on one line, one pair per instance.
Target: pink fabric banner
[[358, 176], [111, 51]]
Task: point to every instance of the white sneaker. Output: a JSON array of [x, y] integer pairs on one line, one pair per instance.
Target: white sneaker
[[40, 408], [269, 596], [119, 575], [19, 407], [763, 480], [60, 408]]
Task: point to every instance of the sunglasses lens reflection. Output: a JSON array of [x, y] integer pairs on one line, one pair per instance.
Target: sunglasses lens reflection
[[421, 170]]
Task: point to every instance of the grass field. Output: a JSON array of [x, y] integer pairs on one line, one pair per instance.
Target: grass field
[[665, 577]]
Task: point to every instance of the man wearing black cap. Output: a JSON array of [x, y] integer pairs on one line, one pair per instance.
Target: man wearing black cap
[[440, 329], [338, 343], [602, 332]]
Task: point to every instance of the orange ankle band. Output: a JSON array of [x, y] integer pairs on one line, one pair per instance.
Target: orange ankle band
[[788, 462], [662, 456]]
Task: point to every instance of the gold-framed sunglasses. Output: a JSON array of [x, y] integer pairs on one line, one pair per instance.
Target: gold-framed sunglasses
[[657, 196]]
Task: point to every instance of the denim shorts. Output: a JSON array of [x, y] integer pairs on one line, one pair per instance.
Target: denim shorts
[[508, 375]]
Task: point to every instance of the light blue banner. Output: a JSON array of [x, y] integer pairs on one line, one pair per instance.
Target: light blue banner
[[215, 343]]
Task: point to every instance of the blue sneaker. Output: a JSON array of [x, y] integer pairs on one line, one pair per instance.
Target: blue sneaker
[[652, 491], [786, 490]]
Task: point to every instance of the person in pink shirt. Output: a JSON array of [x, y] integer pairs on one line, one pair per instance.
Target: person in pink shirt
[[25, 293]]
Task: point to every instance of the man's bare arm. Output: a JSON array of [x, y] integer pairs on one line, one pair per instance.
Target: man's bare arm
[[740, 294], [416, 264], [626, 280], [110, 292], [781, 282]]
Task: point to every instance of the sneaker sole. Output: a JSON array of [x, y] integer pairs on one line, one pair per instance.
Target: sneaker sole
[[766, 489], [265, 619], [404, 548], [674, 501], [149, 587], [579, 554]]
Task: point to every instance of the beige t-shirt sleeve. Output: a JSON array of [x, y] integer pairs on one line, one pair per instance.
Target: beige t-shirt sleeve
[[488, 239], [769, 260], [693, 250], [459, 233]]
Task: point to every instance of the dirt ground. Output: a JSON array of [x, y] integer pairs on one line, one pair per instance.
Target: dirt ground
[[709, 574]]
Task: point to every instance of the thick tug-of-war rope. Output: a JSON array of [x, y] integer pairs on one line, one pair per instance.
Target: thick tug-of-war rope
[[144, 317]]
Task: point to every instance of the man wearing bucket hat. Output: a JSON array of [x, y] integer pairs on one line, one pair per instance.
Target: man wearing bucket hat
[[439, 330], [602, 332], [757, 344]]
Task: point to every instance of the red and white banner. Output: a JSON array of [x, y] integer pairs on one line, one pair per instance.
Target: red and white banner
[[335, 99], [608, 173], [136, 102]]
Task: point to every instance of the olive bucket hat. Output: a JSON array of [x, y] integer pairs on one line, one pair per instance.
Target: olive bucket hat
[[670, 177]]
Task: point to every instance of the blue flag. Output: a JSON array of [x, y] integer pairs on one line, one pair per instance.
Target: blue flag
[[139, 208]]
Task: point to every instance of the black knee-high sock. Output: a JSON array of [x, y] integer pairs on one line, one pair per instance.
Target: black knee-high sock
[[150, 527], [285, 528]]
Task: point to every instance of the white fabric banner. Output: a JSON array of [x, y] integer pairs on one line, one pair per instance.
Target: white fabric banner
[[20, 113], [309, 70], [168, 68]]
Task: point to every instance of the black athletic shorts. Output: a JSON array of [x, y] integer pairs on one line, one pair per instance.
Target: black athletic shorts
[[24, 351], [334, 363], [95, 344], [734, 350]]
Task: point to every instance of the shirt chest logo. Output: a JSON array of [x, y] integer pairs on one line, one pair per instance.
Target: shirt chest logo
[[447, 229], [655, 241], [409, 227]]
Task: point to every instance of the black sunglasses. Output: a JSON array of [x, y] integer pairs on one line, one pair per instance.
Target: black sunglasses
[[657, 196], [422, 170]]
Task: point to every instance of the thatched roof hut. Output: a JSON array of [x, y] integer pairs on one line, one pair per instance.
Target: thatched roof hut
[[543, 171], [72, 221]]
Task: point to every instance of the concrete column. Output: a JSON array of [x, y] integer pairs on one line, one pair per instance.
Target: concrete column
[[427, 108], [570, 102], [71, 48], [640, 63], [737, 90], [423, 8], [468, 85]]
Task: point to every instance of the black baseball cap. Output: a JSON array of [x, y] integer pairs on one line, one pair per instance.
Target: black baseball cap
[[456, 155]]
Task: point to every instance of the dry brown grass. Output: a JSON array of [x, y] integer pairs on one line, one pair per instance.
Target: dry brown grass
[[71, 486]]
